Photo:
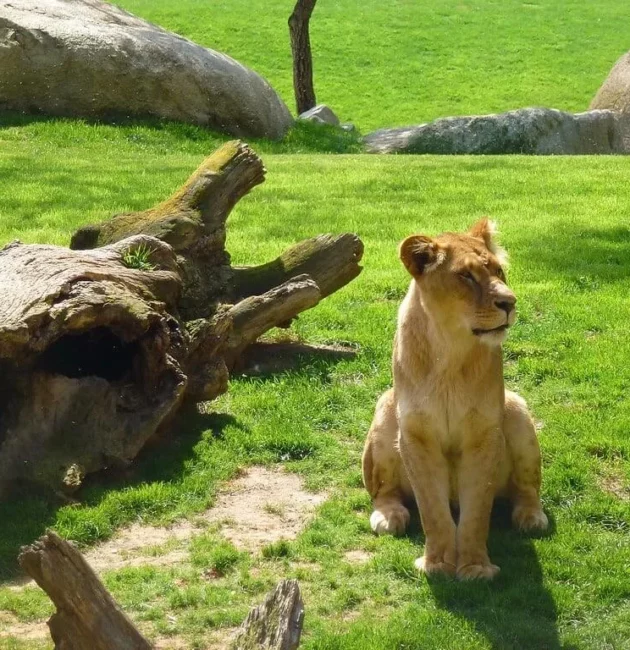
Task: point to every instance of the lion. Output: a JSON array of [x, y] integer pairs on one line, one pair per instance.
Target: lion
[[448, 433]]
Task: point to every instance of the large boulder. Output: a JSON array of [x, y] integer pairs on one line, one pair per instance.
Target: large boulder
[[89, 58], [615, 91], [524, 131]]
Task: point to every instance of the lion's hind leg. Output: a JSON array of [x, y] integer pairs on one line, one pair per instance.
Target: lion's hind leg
[[382, 470], [522, 443]]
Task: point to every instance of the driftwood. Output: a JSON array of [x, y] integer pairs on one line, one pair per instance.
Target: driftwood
[[302, 58], [98, 351], [88, 617]]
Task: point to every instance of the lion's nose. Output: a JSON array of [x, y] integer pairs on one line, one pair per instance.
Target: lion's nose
[[506, 304]]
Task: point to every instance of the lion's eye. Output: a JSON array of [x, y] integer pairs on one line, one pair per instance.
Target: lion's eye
[[469, 277], [501, 274]]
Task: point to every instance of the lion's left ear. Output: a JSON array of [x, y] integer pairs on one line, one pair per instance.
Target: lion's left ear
[[487, 230]]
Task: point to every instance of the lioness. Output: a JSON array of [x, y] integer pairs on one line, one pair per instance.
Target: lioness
[[448, 431]]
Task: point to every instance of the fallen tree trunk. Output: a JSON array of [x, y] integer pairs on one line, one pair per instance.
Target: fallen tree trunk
[[101, 344], [88, 617]]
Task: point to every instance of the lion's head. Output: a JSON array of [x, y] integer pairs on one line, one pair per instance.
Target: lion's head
[[462, 281]]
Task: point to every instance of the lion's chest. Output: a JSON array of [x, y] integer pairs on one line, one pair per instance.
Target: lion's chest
[[451, 413]]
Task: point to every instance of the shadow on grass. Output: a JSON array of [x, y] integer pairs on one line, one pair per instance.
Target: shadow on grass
[[303, 137], [515, 611], [588, 256], [29, 510]]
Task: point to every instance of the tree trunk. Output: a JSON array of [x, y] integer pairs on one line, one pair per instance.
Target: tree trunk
[[88, 617], [302, 59], [97, 352]]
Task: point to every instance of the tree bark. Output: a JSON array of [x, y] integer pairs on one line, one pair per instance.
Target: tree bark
[[87, 616], [276, 624], [96, 357], [302, 58]]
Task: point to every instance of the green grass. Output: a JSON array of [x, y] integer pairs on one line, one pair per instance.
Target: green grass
[[385, 63], [562, 220]]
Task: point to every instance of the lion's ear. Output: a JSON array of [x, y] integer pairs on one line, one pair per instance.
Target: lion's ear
[[419, 253], [484, 229], [487, 230]]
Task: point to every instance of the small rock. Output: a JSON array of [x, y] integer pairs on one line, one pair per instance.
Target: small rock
[[320, 114]]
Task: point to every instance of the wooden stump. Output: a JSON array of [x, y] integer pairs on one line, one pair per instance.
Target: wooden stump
[[276, 624], [101, 344]]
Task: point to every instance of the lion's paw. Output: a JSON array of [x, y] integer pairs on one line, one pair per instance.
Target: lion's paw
[[477, 571], [527, 519], [431, 568], [394, 521]]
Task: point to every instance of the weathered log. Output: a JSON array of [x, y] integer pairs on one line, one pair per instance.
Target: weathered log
[[193, 222], [331, 261], [276, 624], [87, 616], [100, 346]]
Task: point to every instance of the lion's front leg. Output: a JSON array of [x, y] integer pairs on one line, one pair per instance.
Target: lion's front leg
[[477, 483], [427, 471]]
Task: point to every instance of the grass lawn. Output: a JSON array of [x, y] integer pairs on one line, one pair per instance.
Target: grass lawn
[[385, 63], [564, 222]]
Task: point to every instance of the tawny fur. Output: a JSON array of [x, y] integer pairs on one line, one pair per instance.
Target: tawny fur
[[448, 431]]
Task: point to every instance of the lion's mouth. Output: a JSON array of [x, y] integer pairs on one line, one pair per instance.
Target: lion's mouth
[[481, 332]]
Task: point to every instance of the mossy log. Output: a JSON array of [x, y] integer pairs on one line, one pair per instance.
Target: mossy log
[[88, 617], [98, 352]]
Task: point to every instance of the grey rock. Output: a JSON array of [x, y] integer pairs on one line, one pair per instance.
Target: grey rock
[[540, 131], [89, 58], [349, 127], [614, 93], [321, 114]]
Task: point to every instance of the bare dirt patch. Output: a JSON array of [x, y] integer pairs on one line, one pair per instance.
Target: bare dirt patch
[[358, 557], [263, 506], [11, 626], [616, 486]]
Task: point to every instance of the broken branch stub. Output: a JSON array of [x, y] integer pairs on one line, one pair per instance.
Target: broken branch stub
[[87, 616], [100, 344], [276, 624]]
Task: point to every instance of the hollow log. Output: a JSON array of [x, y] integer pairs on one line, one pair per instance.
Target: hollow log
[[102, 343], [87, 616]]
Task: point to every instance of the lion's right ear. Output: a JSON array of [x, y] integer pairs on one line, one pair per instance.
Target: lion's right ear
[[419, 253]]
